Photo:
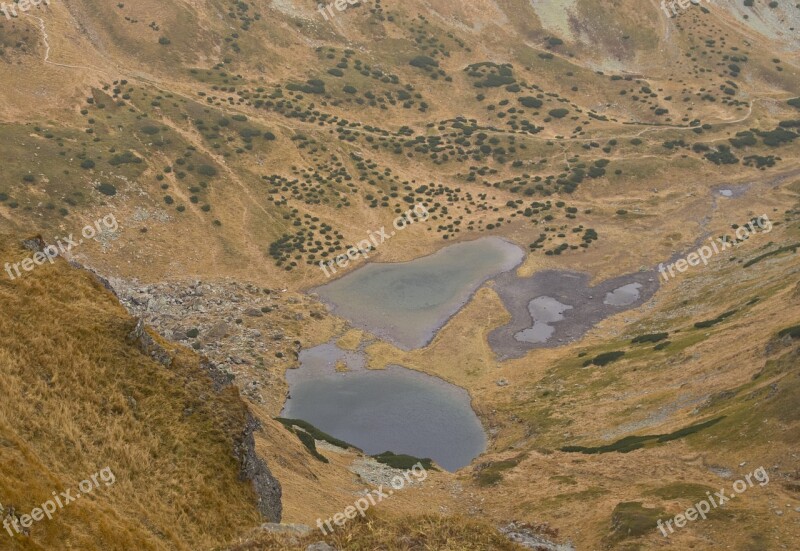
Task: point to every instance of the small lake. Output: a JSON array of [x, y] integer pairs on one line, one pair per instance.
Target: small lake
[[394, 409], [406, 303]]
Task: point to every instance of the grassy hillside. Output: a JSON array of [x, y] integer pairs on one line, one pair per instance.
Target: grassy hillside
[[78, 397]]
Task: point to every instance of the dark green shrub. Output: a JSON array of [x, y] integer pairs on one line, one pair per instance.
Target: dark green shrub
[[605, 358], [401, 461], [652, 337], [759, 258], [423, 61], [712, 322], [310, 444], [107, 189], [315, 432], [793, 332], [529, 101], [126, 157], [207, 170]]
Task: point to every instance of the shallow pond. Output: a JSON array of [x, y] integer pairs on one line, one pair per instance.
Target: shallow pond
[[623, 296], [553, 307], [544, 310]]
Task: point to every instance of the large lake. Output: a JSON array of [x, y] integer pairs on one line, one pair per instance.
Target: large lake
[[394, 409]]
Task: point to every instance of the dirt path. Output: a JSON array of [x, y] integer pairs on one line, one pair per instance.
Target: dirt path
[[253, 250], [46, 39], [246, 201]]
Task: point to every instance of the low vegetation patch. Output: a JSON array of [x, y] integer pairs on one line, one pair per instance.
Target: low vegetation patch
[[605, 358], [781, 250], [793, 332], [401, 461], [652, 337], [315, 432], [490, 473], [630, 519], [375, 531], [712, 322], [630, 443], [682, 490]]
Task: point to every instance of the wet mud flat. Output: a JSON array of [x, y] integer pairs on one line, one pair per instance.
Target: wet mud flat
[[554, 307]]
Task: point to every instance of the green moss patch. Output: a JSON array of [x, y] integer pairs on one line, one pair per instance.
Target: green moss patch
[[630, 519]]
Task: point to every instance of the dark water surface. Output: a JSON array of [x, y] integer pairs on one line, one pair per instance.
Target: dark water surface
[[394, 409]]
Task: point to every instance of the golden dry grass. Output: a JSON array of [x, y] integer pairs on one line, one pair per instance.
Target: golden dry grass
[[382, 533], [77, 398]]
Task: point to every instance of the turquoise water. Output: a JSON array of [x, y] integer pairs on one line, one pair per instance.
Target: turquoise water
[[406, 303]]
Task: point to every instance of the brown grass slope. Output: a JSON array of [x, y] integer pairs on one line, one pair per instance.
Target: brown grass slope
[[381, 533], [742, 371], [76, 397]]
